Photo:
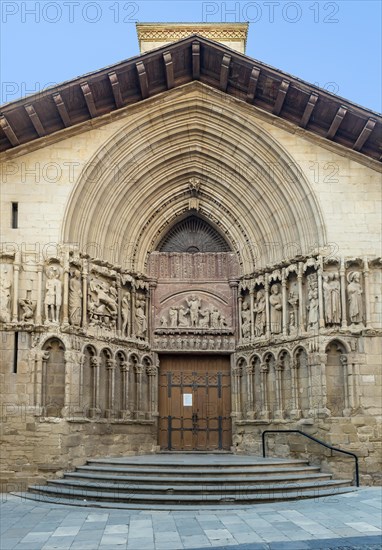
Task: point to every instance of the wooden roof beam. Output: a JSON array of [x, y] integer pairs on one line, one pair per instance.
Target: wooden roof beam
[[35, 120], [143, 80], [281, 95], [340, 115], [61, 107], [224, 72], [253, 80], [365, 133], [8, 131], [116, 89], [169, 67], [196, 60], [308, 110], [89, 98]]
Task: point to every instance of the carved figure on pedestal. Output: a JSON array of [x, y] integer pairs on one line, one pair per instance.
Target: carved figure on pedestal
[[103, 306], [259, 310], [332, 299], [28, 309], [183, 321], [293, 301], [75, 298], [215, 318], [5, 297], [204, 321], [140, 319], [275, 300], [194, 304], [313, 310], [125, 314], [53, 295], [355, 298], [173, 313], [245, 321], [163, 322]]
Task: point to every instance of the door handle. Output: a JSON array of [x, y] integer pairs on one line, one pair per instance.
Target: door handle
[[194, 418]]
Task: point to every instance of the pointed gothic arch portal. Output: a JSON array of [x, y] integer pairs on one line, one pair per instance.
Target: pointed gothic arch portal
[[194, 328]]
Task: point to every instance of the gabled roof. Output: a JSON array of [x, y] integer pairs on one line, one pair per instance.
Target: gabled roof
[[193, 58]]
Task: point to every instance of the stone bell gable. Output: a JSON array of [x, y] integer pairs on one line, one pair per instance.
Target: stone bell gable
[[190, 208]]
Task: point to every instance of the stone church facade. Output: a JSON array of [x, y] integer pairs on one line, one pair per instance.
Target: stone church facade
[[190, 256]]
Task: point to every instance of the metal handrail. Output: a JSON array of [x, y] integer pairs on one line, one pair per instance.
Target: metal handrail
[[265, 432]]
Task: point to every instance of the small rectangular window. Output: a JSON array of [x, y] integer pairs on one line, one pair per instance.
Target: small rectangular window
[[15, 215]]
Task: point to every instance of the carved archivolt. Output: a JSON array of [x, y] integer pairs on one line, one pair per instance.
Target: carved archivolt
[[142, 197]]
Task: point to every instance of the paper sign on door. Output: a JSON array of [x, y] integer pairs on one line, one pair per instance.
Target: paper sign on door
[[187, 400]]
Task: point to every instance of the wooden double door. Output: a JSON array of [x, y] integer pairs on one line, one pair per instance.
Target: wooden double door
[[195, 403]]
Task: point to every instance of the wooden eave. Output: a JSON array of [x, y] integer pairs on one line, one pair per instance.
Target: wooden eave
[[194, 58]]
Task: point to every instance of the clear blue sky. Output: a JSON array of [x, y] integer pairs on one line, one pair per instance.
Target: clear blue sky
[[336, 45]]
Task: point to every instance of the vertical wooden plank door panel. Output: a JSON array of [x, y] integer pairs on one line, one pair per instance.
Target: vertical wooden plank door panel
[[194, 402]]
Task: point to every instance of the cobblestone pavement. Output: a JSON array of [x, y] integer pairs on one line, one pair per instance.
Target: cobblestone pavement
[[342, 522]]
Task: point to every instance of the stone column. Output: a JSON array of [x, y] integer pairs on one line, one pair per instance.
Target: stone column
[[110, 370], [235, 318], [344, 323], [95, 363], [321, 322], [240, 308], [317, 385], [346, 379], [237, 372], [139, 370], [367, 292], [85, 273], [301, 325], [133, 300], [353, 363], [125, 369], [65, 300], [151, 311], [264, 369], [43, 356], [285, 304], [152, 373], [119, 305], [39, 295], [251, 302], [16, 272], [267, 310], [279, 413], [295, 413], [250, 412]]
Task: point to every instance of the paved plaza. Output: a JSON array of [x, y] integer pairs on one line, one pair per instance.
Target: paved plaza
[[347, 521]]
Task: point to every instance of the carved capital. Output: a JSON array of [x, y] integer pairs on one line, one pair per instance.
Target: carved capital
[[111, 364], [95, 362]]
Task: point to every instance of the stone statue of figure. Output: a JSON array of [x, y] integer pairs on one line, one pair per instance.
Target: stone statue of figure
[[53, 295], [204, 321], [313, 309], [173, 314], [125, 311], [5, 297], [260, 316], [140, 319], [28, 309], [332, 299], [183, 322], [215, 318], [355, 298], [335, 289], [75, 298], [163, 322], [245, 321], [194, 304], [275, 300]]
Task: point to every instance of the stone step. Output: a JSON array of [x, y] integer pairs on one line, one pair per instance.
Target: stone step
[[167, 501], [130, 491], [186, 481], [250, 479], [186, 472]]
